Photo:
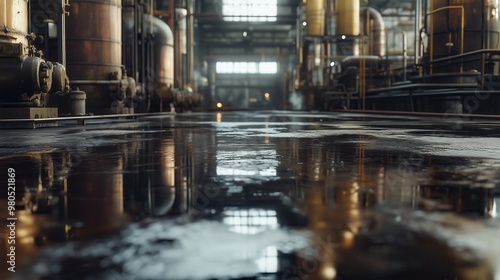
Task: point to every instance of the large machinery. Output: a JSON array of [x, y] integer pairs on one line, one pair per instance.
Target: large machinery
[[120, 55], [453, 67], [26, 77]]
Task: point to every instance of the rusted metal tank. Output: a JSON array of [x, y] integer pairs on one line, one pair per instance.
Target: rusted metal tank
[[94, 51], [481, 30]]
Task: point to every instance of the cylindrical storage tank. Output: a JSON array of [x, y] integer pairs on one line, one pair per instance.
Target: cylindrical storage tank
[[348, 17], [163, 56], [14, 18], [445, 34], [94, 50], [315, 17], [372, 25]]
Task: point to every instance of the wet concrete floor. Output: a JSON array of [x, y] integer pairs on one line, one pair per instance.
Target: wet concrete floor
[[255, 195]]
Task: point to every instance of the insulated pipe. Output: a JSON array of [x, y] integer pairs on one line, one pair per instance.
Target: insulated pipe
[[375, 29], [315, 17], [163, 44], [348, 17]]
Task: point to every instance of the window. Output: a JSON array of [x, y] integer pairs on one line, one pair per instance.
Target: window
[[246, 67], [249, 10]]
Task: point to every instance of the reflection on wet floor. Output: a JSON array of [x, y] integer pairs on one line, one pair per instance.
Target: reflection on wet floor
[[256, 196]]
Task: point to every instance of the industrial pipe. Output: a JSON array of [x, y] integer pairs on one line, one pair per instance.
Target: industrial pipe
[[373, 26], [163, 45]]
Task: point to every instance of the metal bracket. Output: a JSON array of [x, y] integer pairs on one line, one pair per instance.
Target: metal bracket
[[65, 5]]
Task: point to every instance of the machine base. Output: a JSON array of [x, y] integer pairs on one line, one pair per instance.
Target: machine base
[[25, 117]]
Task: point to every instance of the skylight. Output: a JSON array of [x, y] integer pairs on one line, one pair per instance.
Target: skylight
[[249, 10], [246, 67]]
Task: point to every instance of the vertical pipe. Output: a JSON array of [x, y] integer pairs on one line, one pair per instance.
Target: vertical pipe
[[191, 41], [418, 26], [61, 29], [405, 53], [151, 13]]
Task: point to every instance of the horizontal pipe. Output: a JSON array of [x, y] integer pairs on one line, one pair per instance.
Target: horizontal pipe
[[420, 114], [416, 85], [448, 58], [95, 82], [84, 118]]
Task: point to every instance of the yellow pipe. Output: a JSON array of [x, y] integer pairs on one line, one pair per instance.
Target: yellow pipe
[[315, 17], [348, 17], [151, 12], [462, 28]]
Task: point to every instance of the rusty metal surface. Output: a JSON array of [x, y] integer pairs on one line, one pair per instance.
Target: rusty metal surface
[[94, 50], [94, 39]]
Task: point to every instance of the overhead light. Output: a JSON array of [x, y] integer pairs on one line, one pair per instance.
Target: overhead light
[[343, 37], [332, 64], [245, 34], [219, 105], [304, 23], [267, 95]]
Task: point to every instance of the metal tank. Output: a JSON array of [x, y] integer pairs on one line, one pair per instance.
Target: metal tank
[[348, 17], [315, 17], [94, 53], [24, 76], [481, 30], [348, 27]]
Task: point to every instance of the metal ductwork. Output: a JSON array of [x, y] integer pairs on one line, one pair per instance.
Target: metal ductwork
[[373, 26], [348, 12], [315, 17]]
